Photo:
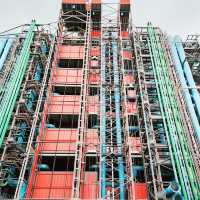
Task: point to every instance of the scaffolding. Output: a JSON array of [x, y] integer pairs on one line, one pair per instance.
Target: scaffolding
[[112, 167], [186, 106], [11, 91], [152, 126], [25, 77], [79, 157], [184, 168], [69, 114]]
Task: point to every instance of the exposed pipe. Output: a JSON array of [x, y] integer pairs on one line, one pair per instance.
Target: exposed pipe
[[21, 133], [185, 167], [103, 125], [188, 74], [10, 97], [38, 72], [185, 89], [11, 180], [5, 52], [171, 192], [2, 45], [30, 99], [118, 122]]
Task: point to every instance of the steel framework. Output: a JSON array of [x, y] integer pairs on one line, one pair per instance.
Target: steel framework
[[29, 64], [100, 109]]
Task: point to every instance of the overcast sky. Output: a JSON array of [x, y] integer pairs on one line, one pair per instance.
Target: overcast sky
[[174, 16]]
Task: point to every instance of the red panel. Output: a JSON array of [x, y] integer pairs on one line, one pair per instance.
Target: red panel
[[96, 34], [67, 76], [140, 190], [93, 104], [131, 94], [74, 52], [52, 185], [96, 1], [59, 140], [124, 1], [64, 104], [64, 98], [65, 108], [95, 51], [67, 72], [135, 144], [128, 79], [131, 107], [94, 78], [94, 63], [89, 188], [93, 108], [93, 99], [92, 140], [73, 1], [36, 154], [125, 34], [127, 54]]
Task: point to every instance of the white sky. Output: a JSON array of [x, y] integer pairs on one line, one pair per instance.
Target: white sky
[[174, 16]]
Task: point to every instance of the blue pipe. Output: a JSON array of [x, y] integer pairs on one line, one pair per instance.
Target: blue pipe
[[21, 133], [188, 74], [133, 129], [38, 73], [3, 42], [172, 189], [137, 169], [31, 97], [185, 90], [171, 192], [5, 52], [50, 126], [43, 167], [103, 126], [12, 181], [44, 47], [118, 122]]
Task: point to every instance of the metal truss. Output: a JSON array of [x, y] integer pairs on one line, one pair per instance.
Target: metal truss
[[176, 131], [78, 163], [192, 52], [127, 143], [192, 141], [154, 130], [147, 87], [8, 65], [18, 143], [112, 166]]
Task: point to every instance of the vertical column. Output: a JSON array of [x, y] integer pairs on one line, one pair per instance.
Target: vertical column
[[112, 137], [119, 136]]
